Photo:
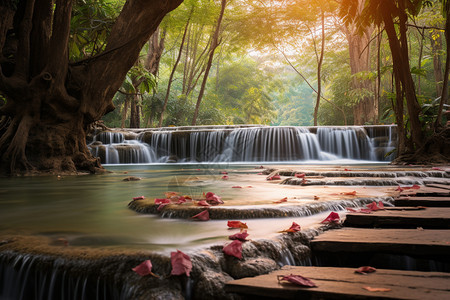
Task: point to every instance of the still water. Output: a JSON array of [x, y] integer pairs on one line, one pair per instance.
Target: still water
[[91, 210]]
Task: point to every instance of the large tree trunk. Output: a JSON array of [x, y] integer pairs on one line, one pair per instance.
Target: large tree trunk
[[51, 102]]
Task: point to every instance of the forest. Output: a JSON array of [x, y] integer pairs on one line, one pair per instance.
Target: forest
[[267, 62], [201, 62]]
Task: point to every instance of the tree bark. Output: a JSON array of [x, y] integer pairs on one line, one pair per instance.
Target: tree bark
[[51, 102], [214, 44], [402, 73], [319, 70]]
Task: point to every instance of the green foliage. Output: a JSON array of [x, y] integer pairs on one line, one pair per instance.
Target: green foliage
[[90, 25]]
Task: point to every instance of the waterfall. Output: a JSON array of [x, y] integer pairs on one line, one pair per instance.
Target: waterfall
[[245, 144]]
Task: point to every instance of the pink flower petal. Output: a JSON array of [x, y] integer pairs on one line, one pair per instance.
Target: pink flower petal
[[333, 217], [203, 216], [239, 236], [145, 268], [181, 263], [138, 198], [202, 203], [298, 280], [236, 224], [365, 270], [234, 249]]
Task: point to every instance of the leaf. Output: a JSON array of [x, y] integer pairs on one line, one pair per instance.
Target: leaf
[[297, 280], [203, 216], [138, 198], [181, 263], [239, 236], [371, 289], [234, 249], [237, 224], [294, 228], [365, 270], [145, 268], [333, 217], [281, 200]]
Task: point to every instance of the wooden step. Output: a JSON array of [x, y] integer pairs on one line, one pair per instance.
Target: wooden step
[[401, 217], [422, 201], [344, 283], [440, 186], [413, 249]]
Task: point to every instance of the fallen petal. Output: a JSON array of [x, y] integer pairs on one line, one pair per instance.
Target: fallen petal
[[300, 175], [239, 236], [294, 228], [203, 216], [224, 172], [170, 194], [333, 217], [181, 263], [365, 270], [161, 201], [297, 279], [145, 268], [281, 200], [234, 249], [349, 193], [202, 203], [237, 224], [138, 198], [236, 187], [225, 177]]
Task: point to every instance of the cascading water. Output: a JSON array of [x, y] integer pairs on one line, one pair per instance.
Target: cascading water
[[245, 144]]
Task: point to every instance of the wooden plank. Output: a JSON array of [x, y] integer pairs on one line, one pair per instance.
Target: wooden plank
[[441, 186], [426, 191], [427, 242], [344, 283], [423, 201], [431, 218]]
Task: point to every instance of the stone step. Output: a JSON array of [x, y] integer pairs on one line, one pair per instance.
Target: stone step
[[401, 217], [344, 283]]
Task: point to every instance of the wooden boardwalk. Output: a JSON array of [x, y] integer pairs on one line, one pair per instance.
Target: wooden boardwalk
[[402, 217], [383, 243], [344, 283]]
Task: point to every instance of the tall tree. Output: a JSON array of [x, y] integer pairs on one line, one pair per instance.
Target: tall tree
[[212, 49], [394, 15], [51, 101]]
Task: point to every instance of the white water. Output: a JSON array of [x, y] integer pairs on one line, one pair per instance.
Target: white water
[[248, 144]]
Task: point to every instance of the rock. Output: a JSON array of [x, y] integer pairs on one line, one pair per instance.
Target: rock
[[131, 178], [172, 159], [210, 285], [249, 268]]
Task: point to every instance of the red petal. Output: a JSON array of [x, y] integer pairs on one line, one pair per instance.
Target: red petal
[[239, 236], [223, 172], [380, 205], [281, 200], [365, 270], [415, 187], [202, 203], [349, 193], [274, 177], [298, 280], [145, 268], [225, 177], [294, 228], [203, 216], [234, 249], [181, 263], [332, 217], [236, 224], [181, 200], [237, 187], [162, 205], [138, 198], [161, 201], [300, 175]]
